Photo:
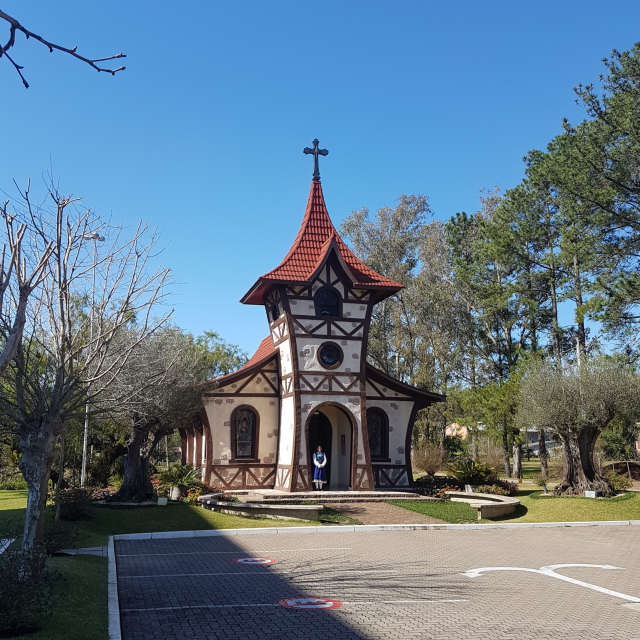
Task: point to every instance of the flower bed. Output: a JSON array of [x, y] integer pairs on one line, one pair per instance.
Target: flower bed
[[436, 486]]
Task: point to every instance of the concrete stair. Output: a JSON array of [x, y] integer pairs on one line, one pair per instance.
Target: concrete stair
[[322, 497]]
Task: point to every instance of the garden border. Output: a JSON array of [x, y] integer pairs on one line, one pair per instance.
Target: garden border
[[204, 533], [115, 632]]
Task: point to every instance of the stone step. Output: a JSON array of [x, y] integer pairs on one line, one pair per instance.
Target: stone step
[[328, 496]]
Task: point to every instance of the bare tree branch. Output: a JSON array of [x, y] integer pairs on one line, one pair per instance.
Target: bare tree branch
[[14, 26]]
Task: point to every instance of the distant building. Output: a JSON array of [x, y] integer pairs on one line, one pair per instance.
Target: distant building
[[455, 429]]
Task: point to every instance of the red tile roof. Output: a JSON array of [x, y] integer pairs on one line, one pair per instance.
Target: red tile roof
[[263, 352], [314, 240]]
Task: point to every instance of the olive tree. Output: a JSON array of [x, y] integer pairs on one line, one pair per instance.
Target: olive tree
[[158, 390], [576, 402]]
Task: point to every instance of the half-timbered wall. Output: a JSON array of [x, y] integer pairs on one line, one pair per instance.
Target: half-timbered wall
[[258, 390], [399, 409], [342, 385]]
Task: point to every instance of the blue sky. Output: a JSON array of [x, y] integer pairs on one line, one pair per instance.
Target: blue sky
[[203, 133]]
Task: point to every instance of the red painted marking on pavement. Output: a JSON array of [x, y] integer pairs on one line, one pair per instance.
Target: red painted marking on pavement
[[309, 603], [254, 561]]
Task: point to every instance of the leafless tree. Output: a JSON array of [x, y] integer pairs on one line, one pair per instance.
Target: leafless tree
[[15, 27], [576, 403], [18, 280], [158, 390], [60, 363]]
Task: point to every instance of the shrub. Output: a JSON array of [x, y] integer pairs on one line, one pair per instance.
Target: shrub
[[555, 468], [435, 486], [470, 472], [74, 504], [160, 487], [493, 489], [538, 480], [194, 493], [14, 483], [499, 488], [116, 481], [59, 535], [182, 475], [191, 496], [100, 493], [428, 458], [618, 482], [511, 487], [27, 595]]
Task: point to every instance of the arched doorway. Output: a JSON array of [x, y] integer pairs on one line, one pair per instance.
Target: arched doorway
[[321, 433], [331, 427]]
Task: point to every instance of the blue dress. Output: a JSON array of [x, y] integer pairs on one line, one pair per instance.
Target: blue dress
[[319, 473]]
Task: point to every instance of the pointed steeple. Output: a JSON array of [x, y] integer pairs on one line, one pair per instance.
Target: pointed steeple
[[313, 244]]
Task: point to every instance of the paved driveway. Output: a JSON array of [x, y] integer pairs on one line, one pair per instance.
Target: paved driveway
[[383, 585]]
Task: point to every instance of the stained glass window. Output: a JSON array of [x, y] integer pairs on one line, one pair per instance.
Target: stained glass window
[[330, 354], [245, 427], [378, 433], [327, 303]]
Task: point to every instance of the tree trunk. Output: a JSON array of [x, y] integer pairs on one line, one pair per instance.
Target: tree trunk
[[544, 459], [474, 446], [505, 451], [136, 486], [587, 443], [581, 335], [517, 460], [38, 452], [576, 481], [557, 352], [60, 483]]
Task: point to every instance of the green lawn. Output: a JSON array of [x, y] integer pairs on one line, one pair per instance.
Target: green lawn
[[82, 611], [452, 512], [106, 521], [535, 507]]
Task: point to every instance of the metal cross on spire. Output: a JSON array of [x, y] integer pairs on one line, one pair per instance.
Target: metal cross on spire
[[315, 152]]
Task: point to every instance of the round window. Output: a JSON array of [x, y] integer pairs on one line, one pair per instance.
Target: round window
[[330, 355]]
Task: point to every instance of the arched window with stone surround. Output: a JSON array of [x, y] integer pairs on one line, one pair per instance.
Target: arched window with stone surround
[[378, 430], [327, 303], [244, 421]]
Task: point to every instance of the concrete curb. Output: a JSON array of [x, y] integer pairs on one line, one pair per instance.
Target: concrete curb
[[206, 533], [115, 632]]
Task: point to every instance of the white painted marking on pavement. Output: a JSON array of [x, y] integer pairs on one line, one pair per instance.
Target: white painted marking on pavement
[[254, 561], [310, 603], [549, 570]]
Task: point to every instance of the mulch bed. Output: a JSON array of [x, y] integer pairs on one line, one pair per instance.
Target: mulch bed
[[621, 468]]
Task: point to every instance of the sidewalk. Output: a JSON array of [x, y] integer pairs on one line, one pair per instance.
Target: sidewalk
[[86, 551]]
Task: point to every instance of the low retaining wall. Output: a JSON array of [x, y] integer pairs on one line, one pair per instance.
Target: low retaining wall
[[262, 510], [488, 505]]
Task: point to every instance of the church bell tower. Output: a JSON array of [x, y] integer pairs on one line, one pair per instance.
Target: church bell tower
[[318, 303]]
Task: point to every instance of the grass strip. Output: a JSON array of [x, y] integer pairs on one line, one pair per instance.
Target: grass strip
[[81, 612], [448, 511], [107, 521]]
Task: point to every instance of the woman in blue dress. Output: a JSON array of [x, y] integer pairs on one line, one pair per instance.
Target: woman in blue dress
[[319, 472]]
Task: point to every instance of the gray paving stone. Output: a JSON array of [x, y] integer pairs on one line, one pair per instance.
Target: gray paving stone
[[394, 585]]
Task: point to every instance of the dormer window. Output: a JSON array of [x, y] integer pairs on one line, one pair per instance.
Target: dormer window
[[327, 303]]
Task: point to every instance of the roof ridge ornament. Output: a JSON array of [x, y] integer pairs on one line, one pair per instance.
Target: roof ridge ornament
[[315, 152]]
